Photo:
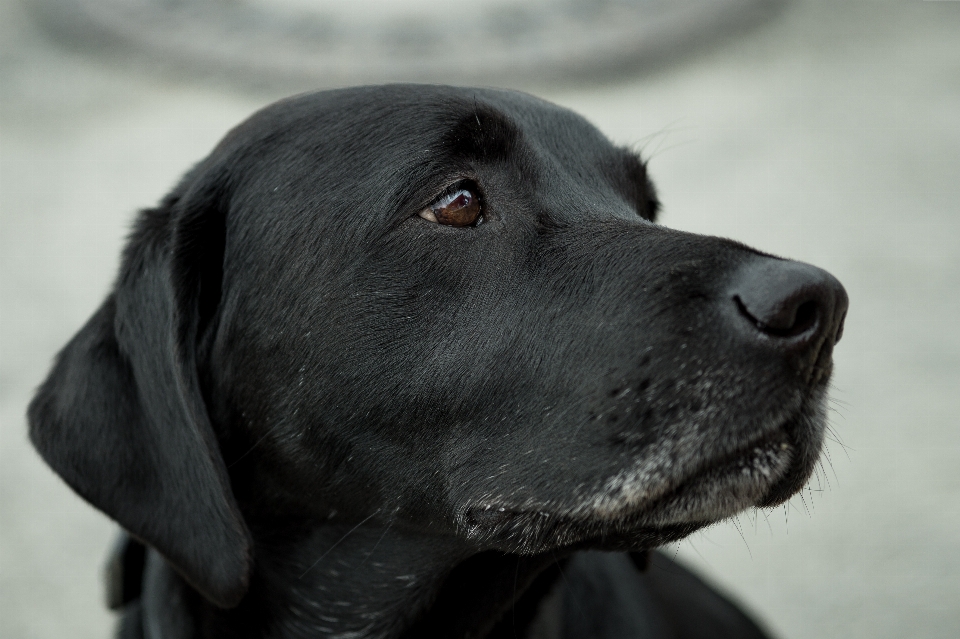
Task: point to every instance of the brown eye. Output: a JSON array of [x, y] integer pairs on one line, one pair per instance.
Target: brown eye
[[460, 207]]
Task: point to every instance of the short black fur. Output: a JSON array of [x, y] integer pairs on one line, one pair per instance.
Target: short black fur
[[325, 415]]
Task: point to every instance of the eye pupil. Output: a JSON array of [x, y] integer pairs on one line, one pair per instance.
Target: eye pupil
[[460, 208]]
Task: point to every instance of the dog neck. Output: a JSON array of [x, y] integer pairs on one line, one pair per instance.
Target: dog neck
[[365, 583]]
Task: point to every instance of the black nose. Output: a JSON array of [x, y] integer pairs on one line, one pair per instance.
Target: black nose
[[791, 306]]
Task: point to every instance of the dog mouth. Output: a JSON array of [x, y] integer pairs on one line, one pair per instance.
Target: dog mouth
[[643, 507], [727, 484]]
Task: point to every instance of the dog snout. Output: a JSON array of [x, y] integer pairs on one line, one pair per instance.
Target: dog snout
[[791, 306]]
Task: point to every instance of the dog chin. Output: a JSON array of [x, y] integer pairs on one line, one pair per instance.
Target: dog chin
[[641, 508], [724, 489]]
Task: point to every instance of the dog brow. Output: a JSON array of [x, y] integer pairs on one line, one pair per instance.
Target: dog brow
[[637, 186], [482, 134]]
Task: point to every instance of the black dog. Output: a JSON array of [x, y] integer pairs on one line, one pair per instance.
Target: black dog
[[391, 358]]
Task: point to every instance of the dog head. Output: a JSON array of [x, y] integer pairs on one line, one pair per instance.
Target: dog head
[[449, 309]]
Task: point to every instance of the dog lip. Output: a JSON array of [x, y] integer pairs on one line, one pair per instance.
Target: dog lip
[[754, 468], [776, 441], [722, 485]]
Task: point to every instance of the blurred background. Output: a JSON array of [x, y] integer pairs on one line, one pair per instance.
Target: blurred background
[[826, 131]]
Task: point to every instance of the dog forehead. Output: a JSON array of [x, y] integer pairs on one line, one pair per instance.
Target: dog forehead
[[405, 123]]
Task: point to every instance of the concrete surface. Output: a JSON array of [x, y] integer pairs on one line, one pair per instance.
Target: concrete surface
[[326, 43], [831, 135]]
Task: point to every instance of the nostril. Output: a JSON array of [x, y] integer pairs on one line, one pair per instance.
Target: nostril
[[789, 300], [787, 319], [794, 308], [806, 317]]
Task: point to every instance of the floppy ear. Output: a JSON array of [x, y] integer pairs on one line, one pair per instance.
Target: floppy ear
[[121, 417]]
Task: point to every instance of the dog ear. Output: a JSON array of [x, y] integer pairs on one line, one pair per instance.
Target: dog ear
[[121, 416]]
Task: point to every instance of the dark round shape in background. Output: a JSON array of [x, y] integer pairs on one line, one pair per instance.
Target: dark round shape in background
[[326, 43]]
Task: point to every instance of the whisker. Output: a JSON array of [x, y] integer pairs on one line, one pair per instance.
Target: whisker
[[255, 444], [382, 535], [563, 576], [804, 502], [659, 136], [839, 402], [767, 519], [835, 436], [700, 536], [736, 524], [339, 541]]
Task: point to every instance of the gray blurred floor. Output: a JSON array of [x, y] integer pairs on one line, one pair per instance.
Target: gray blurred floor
[[831, 135]]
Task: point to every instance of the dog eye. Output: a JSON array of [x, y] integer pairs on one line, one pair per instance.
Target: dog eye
[[458, 207]]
